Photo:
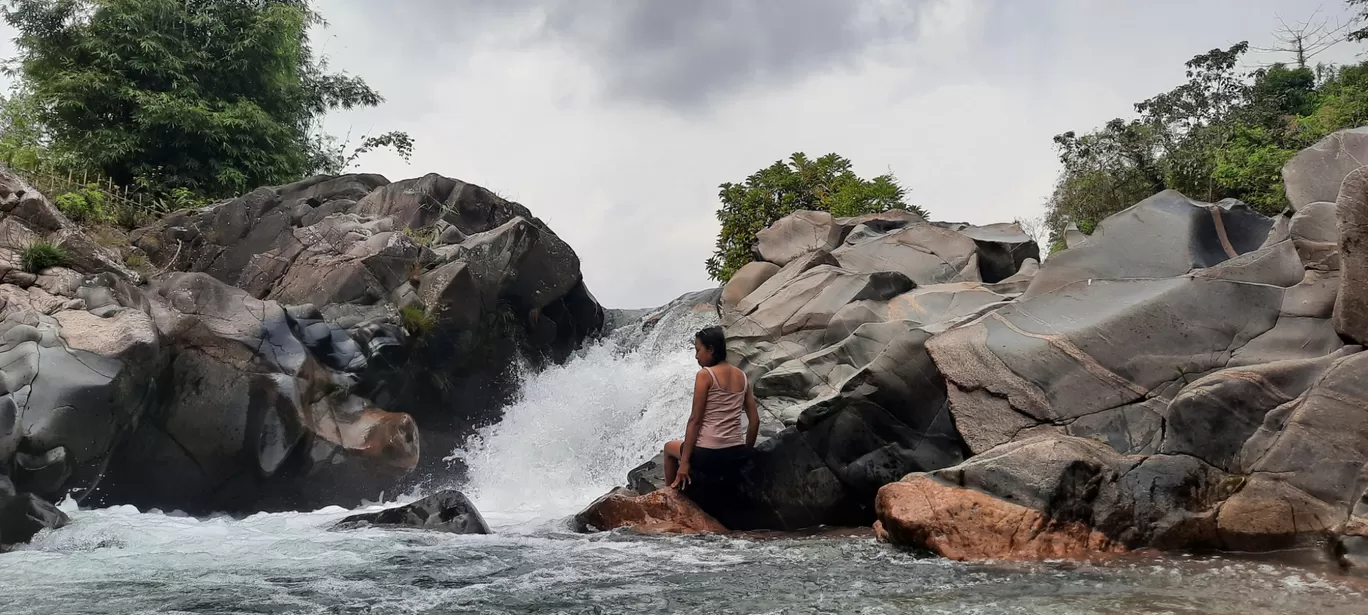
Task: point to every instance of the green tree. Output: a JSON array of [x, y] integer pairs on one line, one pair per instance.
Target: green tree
[[825, 184], [216, 96], [22, 141]]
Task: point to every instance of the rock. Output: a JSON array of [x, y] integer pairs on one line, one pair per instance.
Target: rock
[[24, 515], [448, 511], [74, 400], [648, 477], [798, 234], [1315, 233], [800, 311], [1057, 496], [250, 419], [441, 285], [925, 253], [1002, 250], [1269, 515], [28, 207], [43, 475], [1106, 355], [879, 414], [1322, 429], [1315, 174], [1212, 418], [1164, 236], [963, 524], [520, 262], [745, 281], [1073, 238], [665, 511], [1351, 308]]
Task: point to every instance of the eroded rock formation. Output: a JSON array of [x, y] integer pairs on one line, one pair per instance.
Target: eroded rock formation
[[300, 346], [1190, 376]]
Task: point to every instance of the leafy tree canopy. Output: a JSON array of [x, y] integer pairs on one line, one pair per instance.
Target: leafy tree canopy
[[1224, 133], [215, 96], [801, 183]]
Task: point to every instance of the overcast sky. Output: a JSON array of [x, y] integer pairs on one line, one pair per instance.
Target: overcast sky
[[615, 120]]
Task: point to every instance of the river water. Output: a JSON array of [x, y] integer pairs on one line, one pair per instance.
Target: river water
[[573, 435]]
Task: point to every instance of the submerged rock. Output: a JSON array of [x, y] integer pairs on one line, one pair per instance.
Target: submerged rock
[[664, 511], [23, 515], [448, 511]]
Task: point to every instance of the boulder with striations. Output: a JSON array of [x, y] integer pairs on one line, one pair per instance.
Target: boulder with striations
[[286, 356]]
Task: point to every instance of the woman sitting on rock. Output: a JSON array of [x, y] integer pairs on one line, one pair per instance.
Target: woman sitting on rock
[[713, 442]]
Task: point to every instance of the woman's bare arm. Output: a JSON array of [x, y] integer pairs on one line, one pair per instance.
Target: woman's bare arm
[[752, 419], [700, 400]]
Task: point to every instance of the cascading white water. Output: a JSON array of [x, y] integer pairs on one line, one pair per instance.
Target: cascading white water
[[577, 429]]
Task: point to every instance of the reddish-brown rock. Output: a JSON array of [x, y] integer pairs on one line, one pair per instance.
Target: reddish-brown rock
[[963, 524], [665, 511]]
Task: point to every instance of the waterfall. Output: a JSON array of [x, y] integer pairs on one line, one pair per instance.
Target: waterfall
[[575, 430]]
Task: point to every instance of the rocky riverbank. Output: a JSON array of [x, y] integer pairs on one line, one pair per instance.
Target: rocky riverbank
[[280, 351], [1190, 376]]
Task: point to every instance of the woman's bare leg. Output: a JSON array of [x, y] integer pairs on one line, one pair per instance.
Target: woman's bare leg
[[674, 449]]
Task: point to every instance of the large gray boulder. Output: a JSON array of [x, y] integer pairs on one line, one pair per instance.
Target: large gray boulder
[[1314, 175], [835, 343], [797, 234], [1105, 338], [925, 253], [442, 285], [1351, 307], [250, 417], [1002, 249], [745, 281]]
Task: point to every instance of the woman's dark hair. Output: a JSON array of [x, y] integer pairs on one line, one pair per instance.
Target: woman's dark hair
[[715, 341]]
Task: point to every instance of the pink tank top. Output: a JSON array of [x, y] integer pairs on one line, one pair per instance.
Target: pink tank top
[[722, 415]]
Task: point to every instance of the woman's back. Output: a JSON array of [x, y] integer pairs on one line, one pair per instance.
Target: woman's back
[[725, 404]]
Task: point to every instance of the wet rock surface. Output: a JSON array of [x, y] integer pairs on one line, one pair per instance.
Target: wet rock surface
[[448, 511], [664, 511], [1186, 377], [287, 352]]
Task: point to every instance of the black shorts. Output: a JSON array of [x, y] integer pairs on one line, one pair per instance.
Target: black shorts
[[718, 461]]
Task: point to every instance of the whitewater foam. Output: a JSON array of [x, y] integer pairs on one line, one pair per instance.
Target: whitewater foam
[[575, 430]]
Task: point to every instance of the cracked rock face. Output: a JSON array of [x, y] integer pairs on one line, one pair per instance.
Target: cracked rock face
[[440, 284], [1187, 377]]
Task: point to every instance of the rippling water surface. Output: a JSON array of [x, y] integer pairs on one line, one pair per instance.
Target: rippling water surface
[[121, 561], [573, 435]]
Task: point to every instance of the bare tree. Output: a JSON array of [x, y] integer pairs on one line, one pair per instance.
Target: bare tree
[[1035, 229], [1304, 40]]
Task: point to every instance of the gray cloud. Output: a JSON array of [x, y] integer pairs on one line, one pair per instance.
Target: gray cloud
[[686, 53]]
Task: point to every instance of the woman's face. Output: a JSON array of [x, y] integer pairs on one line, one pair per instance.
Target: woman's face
[[702, 354]]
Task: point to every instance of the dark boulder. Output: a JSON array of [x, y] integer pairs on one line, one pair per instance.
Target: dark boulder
[[23, 515], [448, 511]]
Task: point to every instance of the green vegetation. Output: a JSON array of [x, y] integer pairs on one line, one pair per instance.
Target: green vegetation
[[417, 321], [1224, 133], [825, 184], [425, 237], [86, 205], [40, 255], [181, 100], [137, 262]]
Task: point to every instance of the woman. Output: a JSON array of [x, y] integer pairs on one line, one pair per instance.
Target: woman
[[713, 440]]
